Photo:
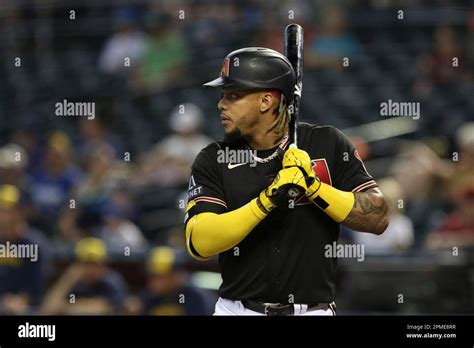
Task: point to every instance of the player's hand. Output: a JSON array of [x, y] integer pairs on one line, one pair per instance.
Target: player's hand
[[299, 158], [287, 185]]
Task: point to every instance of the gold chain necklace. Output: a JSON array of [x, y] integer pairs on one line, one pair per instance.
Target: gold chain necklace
[[273, 155]]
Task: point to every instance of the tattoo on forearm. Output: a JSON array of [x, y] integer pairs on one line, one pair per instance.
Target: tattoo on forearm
[[368, 212], [365, 204]]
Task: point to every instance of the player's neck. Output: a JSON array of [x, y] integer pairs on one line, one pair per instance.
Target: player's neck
[[265, 140]]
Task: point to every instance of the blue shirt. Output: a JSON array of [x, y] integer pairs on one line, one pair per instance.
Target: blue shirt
[[188, 301], [327, 46], [49, 194], [112, 287], [25, 275]]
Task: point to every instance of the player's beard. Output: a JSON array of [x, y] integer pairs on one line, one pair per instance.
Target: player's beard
[[235, 137]]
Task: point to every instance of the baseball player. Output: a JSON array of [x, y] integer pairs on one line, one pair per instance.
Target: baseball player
[[270, 218]]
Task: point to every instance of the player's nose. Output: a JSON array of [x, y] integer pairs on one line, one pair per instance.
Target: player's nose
[[222, 104]]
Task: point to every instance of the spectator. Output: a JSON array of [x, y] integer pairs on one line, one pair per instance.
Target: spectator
[[23, 274], [53, 184], [96, 190], [437, 68], [333, 43], [169, 162], [458, 227], [465, 143], [13, 166], [95, 133], [119, 231], [13, 162], [25, 135], [418, 169], [127, 42], [102, 174], [88, 286], [422, 175], [168, 290], [164, 59]]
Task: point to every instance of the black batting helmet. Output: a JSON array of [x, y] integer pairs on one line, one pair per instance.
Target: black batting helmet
[[257, 68]]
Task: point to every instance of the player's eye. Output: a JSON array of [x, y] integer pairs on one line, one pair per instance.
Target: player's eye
[[230, 96]]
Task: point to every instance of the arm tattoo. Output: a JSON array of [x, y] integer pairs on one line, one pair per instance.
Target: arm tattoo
[[369, 213]]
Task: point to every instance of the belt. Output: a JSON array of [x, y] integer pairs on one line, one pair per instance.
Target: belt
[[284, 309]]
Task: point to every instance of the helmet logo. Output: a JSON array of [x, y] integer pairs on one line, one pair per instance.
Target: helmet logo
[[225, 67]]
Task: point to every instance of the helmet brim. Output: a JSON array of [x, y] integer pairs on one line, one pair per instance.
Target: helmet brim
[[223, 82], [219, 82]]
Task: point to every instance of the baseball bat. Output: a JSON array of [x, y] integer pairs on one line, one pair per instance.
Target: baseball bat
[[294, 53]]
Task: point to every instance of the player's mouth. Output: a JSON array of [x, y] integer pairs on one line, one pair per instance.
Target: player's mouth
[[225, 119]]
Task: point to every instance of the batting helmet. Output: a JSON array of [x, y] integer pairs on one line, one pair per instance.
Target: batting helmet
[[257, 68]]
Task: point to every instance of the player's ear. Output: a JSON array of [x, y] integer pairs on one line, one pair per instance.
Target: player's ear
[[266, 101]]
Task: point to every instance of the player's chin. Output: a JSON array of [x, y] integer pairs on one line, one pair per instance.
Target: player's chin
[[233, 134], [229, 127]]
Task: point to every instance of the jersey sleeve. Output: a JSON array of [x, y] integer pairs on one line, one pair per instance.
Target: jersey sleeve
[[351, 174], [205, 191]]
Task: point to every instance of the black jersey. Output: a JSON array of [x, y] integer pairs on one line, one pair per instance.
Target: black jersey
[[282, 258]]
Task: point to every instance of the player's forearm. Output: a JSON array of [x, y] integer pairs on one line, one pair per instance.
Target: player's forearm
[[360, 211], [54, 300], [335, 203], [369, 213], [208, 234]]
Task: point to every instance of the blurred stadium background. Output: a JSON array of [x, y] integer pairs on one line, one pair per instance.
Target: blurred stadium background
[[104, 197]]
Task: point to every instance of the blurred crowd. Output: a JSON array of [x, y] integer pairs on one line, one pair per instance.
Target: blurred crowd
[[84, 198], [88, 191]]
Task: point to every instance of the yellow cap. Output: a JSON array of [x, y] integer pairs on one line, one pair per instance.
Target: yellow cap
[[59, 141], [161, 260], [91, 249], [9, 196]]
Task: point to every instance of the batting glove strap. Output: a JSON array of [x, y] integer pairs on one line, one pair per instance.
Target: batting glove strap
[[313, 187], [264, 203]]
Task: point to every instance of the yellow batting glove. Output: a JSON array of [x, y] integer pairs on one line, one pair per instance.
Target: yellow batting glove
[[299, 158], [287, 185]]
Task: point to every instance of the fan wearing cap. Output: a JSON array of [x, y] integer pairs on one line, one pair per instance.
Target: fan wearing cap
[[270, 216], [53, 182], [22, 275], [88, 286], [169, 161], [13, 162], [168, 289]]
